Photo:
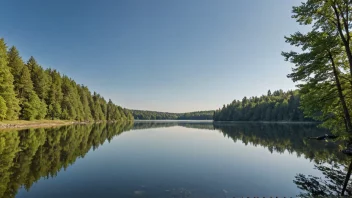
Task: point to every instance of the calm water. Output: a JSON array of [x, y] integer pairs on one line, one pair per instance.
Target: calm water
[[169, 159]]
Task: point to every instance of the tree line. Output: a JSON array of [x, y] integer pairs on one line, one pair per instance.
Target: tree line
[[155, 115], [29, 92], [276, 106]]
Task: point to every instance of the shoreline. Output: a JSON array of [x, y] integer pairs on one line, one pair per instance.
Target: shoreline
[[270, 122], [235, 122], [25, 124]]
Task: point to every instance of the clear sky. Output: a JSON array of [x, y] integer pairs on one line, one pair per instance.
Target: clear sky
[[163, 55]]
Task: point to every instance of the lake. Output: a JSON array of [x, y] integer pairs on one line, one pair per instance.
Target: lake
[[196, 159]]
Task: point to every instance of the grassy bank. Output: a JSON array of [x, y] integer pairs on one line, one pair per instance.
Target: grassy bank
[[22, 124]]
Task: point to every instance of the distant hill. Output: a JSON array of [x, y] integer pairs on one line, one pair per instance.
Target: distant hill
[[156, 115]]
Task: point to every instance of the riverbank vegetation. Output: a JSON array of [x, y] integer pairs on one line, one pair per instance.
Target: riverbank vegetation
[[29, 92]]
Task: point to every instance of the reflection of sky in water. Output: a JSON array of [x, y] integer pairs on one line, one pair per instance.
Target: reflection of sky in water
[[171, 161]]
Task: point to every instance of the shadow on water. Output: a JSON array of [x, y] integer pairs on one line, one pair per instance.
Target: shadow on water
[[29, 155]]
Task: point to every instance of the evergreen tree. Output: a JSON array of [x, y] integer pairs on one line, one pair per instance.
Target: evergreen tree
[[39, 78], [16, 66], [27, 91], [3, 108], [71, 105], [55, 95], [7, 91], [272, 107], [97, 112], [31, 106], [85, 97]]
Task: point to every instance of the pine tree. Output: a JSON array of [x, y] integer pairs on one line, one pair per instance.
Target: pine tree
[[31, 106], [85, 98], [7, 91], [55, 96], [97, 112], [71, 105], [39, 78], [27, 91], [3, 108], [16, 65]]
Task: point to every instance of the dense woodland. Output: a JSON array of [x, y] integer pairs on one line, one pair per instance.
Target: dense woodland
[[29, 92], [155, 115], [276, 106]]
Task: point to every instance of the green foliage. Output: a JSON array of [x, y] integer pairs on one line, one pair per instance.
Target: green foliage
[[276, 106], [16, 67], [55, 95], [39, 78], [6, 85], [323, 64], [72, 108], [3, 108], [33, 108], [29, 92], [155, 115]]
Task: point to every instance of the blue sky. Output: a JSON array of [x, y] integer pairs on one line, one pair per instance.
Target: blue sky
[[176, 56]]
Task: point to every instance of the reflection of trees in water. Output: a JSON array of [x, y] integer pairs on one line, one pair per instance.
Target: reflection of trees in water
[[335, 166], [276, 137], [294, 139], [28, 155], [284, 137], [164, 124], [335, 181]]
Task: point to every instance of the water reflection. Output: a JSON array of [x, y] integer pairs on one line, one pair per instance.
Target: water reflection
[[29, 155], [334, 166], [285, 137], [335, 181]]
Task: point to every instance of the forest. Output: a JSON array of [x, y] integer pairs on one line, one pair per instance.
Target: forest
[[276, 106], [155, 115], [30, 92]]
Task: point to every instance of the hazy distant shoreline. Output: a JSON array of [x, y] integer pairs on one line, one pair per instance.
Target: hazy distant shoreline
[[264, 122]]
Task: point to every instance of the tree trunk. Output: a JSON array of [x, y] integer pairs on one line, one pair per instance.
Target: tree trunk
[[347, 178], [344, 40], [341, 96]]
